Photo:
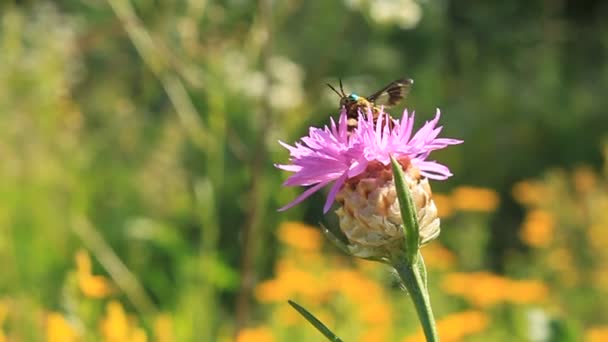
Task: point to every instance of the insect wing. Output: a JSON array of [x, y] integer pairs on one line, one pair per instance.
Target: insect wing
[[392, 93]]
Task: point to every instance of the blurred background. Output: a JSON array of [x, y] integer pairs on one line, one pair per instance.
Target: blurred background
[[138, 195]]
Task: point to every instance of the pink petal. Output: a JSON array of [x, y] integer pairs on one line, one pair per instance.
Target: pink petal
[[304, 196], [433, 170], [332, 193]]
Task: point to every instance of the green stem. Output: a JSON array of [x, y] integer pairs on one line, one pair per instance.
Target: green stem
[[412, 277]]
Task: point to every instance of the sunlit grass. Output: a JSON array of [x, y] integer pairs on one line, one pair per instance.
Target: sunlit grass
[[130, 167]]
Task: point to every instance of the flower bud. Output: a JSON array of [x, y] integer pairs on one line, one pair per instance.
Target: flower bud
[[370, 215]]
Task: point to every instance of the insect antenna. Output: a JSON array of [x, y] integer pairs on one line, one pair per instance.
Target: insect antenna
[[334, 89], [342, 88]]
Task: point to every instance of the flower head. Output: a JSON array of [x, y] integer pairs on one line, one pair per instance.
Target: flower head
[[324, 156], [333, 154]]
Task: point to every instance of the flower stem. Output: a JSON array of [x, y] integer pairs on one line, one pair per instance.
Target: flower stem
[[414, 279]]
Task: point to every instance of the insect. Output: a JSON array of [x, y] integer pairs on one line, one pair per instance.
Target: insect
[[388, 96]]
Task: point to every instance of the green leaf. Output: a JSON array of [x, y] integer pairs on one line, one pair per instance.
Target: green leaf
[[564, 330], [315, 322], [422, 269], [408, 212], [334, 239]]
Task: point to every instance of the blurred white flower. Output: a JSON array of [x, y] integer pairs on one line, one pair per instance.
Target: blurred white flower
[[286, 90], [282, 83], [404, 13], [538, 325]]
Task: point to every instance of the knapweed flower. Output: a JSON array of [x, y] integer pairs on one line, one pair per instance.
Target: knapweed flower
[[358, 165]]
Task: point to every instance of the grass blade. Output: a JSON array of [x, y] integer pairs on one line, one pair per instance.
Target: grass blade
[[315, 322]]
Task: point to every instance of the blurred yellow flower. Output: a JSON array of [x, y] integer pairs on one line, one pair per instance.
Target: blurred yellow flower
[[597, 235], [561, 260], [92, 286], [376, 312], [163, 328], [138, 335], [271, 291], [59, 330], [483, 289], [468, 198], [374, 334], [529, 193], [443, 204], [480, 288], [95, 286], [437, 256], [537, 229], [584, 179], [3, 315], [118, 327], [370, 298], [600, 277], [357, 287], [526, 291], [288, 283], [456, 326], [259, 334], [300, 236], [287, 316], [597, 334], [115, 327]]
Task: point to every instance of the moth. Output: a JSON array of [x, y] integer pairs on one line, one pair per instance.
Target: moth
[[388, 96]]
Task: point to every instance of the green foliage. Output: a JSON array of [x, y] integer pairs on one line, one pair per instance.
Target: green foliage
[[145, 132]]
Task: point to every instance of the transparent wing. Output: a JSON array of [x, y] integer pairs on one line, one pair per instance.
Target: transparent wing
[[392, 93]]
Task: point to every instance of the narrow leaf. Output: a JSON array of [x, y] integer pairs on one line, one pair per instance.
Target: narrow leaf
[[408, 212], [334, 239], [422, 269], [315, 322]]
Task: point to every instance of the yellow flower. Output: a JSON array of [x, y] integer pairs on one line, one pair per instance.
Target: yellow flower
[[259, 334], [537, 229], [444, 205], [600, 278], [484, 289], [289, 282], [437, 256], [138, 335], [58, 329], [376, 312], [163, 328], [529, 193], [527, 291], [3, 315], [597, 235], [561, 260], [92, 286], [597, 334], [584, 180], [355, 286], [287, 316], [456, 326], [95, 286], [271, 291], [115, 327], [368, 296], [118, 327], [300, 236], [374, 334], [468, 198]]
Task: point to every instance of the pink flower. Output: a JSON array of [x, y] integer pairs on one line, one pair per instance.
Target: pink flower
[[332, 154]]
